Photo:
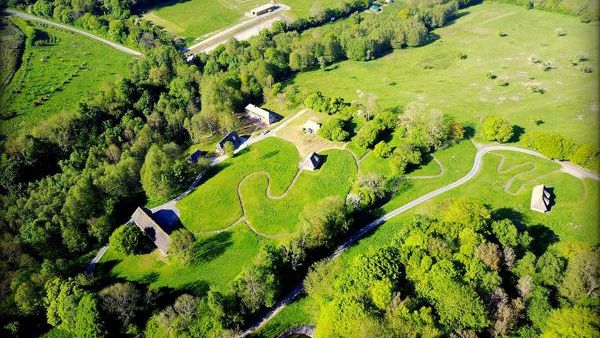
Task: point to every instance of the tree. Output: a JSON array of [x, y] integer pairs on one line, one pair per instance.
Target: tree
[[382, 150], [125, 239], [121, 300], [369, 133], [181, 246], [28, 298], [229, 149], [72, 309], [584, 155], [162, 175], [580, 282], [334, 129], [572, 322], [496, 128], [324, 221]]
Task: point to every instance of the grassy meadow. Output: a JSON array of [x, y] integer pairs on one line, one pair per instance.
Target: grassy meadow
[[196, 18], [219, 258], [281, 216], [215, 204], [504, 184], [51, 76], [434, 77]]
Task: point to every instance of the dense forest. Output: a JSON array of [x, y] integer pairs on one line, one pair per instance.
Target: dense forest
[[466, 272]]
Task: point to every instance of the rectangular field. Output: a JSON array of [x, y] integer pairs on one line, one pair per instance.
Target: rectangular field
[[494, 76], [197, 18]]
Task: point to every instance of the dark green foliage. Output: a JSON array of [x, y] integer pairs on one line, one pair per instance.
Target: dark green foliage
[[125, 239]]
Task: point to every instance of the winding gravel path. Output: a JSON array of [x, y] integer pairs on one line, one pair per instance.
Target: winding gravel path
[[30, 17], [481, 151]]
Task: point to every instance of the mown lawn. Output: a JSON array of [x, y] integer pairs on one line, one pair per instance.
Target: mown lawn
[[219, 258], [53, 79], [435, 77], [195, 18], [215, 204], [281, 216]]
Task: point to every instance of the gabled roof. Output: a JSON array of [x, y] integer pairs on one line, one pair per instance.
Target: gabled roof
[[231, 137], [158, 235], [258, 111], [310, 124], [540, 198], [311, 162], [195, 156]]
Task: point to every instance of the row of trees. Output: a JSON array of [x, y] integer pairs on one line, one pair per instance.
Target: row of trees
[[112, 19], [467, 272], [557, 147]]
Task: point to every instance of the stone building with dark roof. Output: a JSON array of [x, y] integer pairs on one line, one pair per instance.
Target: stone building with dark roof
[[312, 162], [156, 233], [232, 137]]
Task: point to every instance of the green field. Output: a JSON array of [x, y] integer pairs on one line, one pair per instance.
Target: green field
[[504, 184], [435, 78], [219, 258], [215, 203], [51, 76], [280, 216], [195, 18]]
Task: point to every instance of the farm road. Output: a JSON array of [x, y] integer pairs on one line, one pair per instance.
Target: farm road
[[30, 17], [481, 151]]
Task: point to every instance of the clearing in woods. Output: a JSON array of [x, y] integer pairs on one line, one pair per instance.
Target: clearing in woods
[[56, 67]]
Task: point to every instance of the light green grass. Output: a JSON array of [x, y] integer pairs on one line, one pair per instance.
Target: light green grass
[[215, 203], [219, 259], [55, 78], [195, 18], [461, 88], [296, 314], [281, 216]]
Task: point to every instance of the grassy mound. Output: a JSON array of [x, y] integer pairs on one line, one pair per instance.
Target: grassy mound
[[215, 203], [280, 216]]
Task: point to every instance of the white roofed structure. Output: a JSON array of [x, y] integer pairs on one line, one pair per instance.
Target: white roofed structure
[[540, 199], [258, 113], [311, 127]]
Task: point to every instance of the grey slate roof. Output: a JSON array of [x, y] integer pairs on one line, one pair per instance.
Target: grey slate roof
[[232, 137], [312, 162], [152, 229]]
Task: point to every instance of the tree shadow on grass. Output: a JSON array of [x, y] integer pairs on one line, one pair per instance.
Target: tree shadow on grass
[[543, 237], [518, 131], [205, 250], [269, 155]]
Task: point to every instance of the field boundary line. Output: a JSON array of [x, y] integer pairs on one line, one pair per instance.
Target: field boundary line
[[114, 45]]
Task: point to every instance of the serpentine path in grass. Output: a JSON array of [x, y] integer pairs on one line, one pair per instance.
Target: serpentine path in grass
[[270, 195], [481, 151]]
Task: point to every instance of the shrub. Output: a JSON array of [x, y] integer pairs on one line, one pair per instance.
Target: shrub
[[181, 245], [584, 155], [552, 145]]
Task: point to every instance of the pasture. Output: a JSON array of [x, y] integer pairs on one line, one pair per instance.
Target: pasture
[[197, 18], [494, 76], [64, 67]]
